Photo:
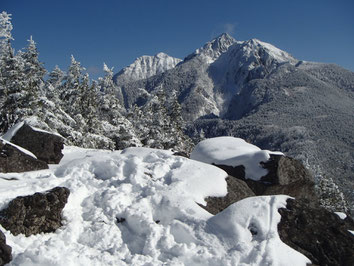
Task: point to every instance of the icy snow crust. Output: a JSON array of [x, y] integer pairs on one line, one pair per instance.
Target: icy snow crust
[[233, 152], [139, 207]]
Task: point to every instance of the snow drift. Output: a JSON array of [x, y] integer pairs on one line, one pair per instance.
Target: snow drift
[[140, 207]]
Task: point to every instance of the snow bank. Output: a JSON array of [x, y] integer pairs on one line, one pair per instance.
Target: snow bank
[[140, 207], [250, 227], [233, 152]]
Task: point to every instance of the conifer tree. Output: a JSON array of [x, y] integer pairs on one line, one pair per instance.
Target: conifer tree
[[54, 84], [21, 78], [70, 95]]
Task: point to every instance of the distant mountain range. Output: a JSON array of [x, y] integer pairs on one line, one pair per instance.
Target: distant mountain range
[[253, 90]]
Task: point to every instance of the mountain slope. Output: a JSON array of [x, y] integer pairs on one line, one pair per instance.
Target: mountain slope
[[141, 69]]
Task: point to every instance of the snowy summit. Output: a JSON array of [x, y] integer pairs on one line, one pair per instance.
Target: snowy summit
[[146, 66]]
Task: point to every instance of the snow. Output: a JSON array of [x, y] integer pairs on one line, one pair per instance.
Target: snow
[[4, 141], [141, 207], [12, 131], [233, 152], [341, 215], [276, 53], [148, 66], [44, 131]]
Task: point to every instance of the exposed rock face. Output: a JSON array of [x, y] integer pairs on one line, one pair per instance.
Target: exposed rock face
[[46, 146], [13, 160], [317, 233], [5, 250], [237, 190], [181, 153], [38, 213], [286, 176]]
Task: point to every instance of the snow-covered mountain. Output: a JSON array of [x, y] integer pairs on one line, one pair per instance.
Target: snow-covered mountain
[[208, 78], [259, 92], [213, 49], [145, 67]]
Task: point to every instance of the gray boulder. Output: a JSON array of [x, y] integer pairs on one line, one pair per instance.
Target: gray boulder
[[236, 190], [46, 146], [38, 213], [320, 235], [5, 250], [12, 159], [285, 176]]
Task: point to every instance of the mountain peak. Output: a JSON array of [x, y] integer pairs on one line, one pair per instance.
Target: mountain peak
[[214, 48], [147, 66], [278, 54]]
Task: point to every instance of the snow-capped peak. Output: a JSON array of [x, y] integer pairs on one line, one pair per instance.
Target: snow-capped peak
[[146, 66], [213, 49], [278, 55]]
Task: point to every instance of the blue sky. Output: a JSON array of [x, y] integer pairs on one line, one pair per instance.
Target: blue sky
[[117, 32]]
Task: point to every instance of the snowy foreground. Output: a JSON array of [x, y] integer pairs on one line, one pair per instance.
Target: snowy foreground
[[139, 207]]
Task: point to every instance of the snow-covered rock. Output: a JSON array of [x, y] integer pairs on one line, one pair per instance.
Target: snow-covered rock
[[35, 214], [5, 250], [45, 145], [15, 159], [232, 152], [141, 207], [319, 234]]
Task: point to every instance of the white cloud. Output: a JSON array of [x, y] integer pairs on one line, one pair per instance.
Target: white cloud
[[93, 70], [228, 27]]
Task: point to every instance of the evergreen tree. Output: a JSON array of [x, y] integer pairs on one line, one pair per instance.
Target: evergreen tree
[[33, 68], [54, 84], [70, 95], [6, 56], [89, 105], [109, 106], [21, 78]]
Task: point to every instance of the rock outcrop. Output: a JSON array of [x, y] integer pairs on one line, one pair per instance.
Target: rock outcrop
[[46, 146], [38, 213], [285, 176], [320, 235], [5, 250], [236, 190], [15, 160]]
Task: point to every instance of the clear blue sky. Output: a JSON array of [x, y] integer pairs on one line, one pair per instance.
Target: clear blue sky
[[117, 32]]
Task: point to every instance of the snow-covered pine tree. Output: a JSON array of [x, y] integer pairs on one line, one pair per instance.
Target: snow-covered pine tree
[[109, 106], [6, 56], [70, 95], [33, 68], [21, 78], [112, 115], [88, 106], [154, 120], [177, 138], [54, 84]]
